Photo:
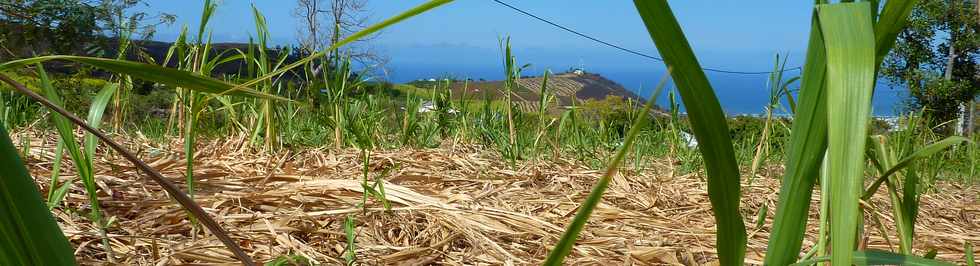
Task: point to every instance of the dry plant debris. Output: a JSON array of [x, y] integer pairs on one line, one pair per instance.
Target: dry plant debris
[[458, 205]]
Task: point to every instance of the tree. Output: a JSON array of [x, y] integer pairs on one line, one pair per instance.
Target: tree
[[30, 27], [936, 57], [325, 22]]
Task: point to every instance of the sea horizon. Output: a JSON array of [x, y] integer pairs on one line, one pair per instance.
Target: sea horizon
[[738, 94]]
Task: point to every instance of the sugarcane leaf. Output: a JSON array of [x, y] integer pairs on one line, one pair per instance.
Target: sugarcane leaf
[[95, 112], [708, 123], [875, 257], [968, 249], [564, 246], [159, 74], [849, 40], [55, 193], [172, 189], [924, 152], [289, 260], [63, 126], [29, 234], [894, 17], [807, 144]]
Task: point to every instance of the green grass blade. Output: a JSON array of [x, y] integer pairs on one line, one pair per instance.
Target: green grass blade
[[789, 95], [64, 128], [189, 136], [708, 123], [804, 157], [849, 39], [894, 17], [159, 74], [906, 207], [924, 152], [875, 257], [29, 234], [883, 157], [289, 260], [54, 197], [95, 112], [968, 249], [171, 189], [564, 246], [350, 256], [824, 218], [209, 8], [83, 162]]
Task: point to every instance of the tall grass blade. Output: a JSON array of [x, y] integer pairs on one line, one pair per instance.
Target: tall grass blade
[[55, 192], [171, 189], [564, 246], [81, 157], [708, 123], [159, 74], [924, 152], [883, 157], [875, 257], [894, 17], [807, 144], [29, 235], [849, 39], [95, 112], [350, 256], [823, 229], [905, 208], [968, 249]]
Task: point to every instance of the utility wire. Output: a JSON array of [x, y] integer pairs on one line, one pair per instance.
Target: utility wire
[[634, 52]]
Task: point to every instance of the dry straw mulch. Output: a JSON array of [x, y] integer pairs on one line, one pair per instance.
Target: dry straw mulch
[[450, 206]]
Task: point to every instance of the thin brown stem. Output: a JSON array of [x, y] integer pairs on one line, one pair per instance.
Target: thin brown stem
[[171, 189]]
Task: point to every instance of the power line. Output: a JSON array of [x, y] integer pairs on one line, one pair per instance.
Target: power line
[[627, 50]]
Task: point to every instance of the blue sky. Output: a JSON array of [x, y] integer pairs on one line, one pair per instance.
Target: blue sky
[[729, 34], [461, 38]]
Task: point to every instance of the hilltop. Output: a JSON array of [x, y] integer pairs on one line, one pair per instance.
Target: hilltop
[[579, 86]]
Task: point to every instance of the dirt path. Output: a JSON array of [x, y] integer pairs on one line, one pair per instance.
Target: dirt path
[[452, 207]]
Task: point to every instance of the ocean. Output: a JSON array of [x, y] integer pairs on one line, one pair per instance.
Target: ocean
[[738, 94]]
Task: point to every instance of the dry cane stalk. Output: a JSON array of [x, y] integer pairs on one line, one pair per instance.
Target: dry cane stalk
[[171, 189]]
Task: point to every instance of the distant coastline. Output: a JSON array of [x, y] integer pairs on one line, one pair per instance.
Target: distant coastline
[[739, 95]]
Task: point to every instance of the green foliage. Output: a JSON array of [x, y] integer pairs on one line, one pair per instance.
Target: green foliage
[[295, 107], [936, 57], [968, 249], [874, 257], [708, 125], [941, 99], [83, 157], [564, 246], [29, 234], [168, 76], [905, 203], [289, 260], [747, 129], [65, 27], [193, 77], [349, 232], [849, 39]]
